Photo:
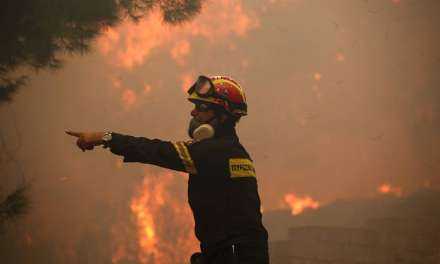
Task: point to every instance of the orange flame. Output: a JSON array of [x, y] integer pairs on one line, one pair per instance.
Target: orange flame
[[164, 221], [147, 89], [388, 189], [340, 57], [119, 254], [130, 44], [317, 76], [187, 80], [299, 204], [105, 44]]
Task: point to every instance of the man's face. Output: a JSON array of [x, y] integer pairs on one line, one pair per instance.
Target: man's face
[[202, 113]]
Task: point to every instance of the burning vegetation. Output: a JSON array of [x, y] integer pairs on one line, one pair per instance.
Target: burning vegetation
[[389, 189], [164, 221], [298, 204]]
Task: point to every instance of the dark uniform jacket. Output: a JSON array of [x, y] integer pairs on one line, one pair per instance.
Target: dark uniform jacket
[[222, 187]]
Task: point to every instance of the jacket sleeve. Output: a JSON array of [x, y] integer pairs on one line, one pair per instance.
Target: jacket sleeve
[[152, 151]]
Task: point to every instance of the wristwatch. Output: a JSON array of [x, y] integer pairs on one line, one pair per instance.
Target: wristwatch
[[106, 138]]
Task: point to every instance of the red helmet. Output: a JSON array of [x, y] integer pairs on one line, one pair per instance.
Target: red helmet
[[222, 91]]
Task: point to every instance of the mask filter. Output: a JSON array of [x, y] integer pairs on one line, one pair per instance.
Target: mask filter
[[199, 131], [204, 131]]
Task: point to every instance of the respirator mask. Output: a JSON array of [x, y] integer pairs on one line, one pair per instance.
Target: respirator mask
[[199, 131]]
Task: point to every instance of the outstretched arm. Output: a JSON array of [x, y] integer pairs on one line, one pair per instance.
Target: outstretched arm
[[145, 150], [140, 149]]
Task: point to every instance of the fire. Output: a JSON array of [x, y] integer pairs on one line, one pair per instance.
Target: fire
[[130, 44], [317, 76], [164, 222], [147, 89], [128, 96], [388, 189], [180, 50], [119, 254], [299, 204], [340, 57], [105, 44], [187, 80]]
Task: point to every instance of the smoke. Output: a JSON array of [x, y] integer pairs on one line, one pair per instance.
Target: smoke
[[342, 98]]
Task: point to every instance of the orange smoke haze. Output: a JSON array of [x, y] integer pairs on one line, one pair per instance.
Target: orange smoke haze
[[187, 79], [180, 50], [298, 204], [343, 104], [127, 95], [147, 89], [128, 98], [340, 57], [130, 44], [119, 254]]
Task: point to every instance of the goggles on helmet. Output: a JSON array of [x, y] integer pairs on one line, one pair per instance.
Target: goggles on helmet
[[203, 87]]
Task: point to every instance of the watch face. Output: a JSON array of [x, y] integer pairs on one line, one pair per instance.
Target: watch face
[[107, 137]]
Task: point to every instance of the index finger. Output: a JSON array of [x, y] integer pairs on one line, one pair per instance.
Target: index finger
[[72, 133]]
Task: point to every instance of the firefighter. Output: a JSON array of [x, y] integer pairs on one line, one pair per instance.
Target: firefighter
[[222, 185]]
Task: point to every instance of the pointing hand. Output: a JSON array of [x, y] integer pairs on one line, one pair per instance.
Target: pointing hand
[[87, 140]]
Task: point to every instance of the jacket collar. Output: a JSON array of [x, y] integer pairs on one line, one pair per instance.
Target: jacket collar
[[228, 132]]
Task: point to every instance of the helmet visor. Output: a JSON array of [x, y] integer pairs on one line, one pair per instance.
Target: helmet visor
[[203, 87]]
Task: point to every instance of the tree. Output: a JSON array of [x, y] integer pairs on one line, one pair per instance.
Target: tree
[[14, 205], [36, 32]]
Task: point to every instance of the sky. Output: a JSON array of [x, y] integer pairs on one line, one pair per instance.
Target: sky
[[342, 95]]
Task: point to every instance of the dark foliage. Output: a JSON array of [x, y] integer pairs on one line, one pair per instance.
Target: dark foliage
[[15, 204], [8, 86], [175, 11], [36, 32]]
